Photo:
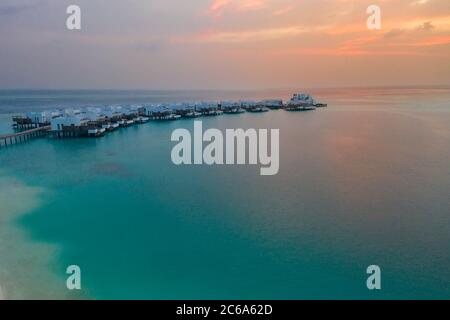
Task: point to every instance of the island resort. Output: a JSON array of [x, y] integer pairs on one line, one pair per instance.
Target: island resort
[[93, 122]]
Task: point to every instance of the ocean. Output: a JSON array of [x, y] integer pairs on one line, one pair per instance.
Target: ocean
[[362, 182]]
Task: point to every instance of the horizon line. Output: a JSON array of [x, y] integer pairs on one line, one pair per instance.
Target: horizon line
[[405, 86]]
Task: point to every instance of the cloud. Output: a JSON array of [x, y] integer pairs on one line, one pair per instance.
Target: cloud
[[426, 26], [244, 35], [151, 45], [282, 11], [394, 33], [419, 2], [434, 41], [218, 7], [10, 10]]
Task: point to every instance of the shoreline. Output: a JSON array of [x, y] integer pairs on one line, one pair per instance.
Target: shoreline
[[20, 279]]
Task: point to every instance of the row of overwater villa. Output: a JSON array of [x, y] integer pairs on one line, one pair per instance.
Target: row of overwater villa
[[96, 121]]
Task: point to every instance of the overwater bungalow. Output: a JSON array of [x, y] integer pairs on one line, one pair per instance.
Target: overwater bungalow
[[254, 106], [95, 132], [79, 123], [142, 119], [258, 109], [134, 114], [72, 112], [129, 116], [32, 120], [185, 110], [66, 126], [40, 118], [231, 107], [209, 108], [248, 104], [96, 121], [22, 122], [161, 112], [273, 104], [147, 110], [113, 116], [301, 102]]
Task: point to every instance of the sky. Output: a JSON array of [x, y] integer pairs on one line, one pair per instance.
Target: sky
[[223, 44]]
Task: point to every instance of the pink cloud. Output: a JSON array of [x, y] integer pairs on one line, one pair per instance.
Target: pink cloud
[[282, 11], [218, 7], [434, 41]]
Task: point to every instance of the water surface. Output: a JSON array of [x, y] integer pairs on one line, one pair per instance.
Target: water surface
[[364, 181]]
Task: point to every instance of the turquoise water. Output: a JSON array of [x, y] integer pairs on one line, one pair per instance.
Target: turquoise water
[[364, 181]]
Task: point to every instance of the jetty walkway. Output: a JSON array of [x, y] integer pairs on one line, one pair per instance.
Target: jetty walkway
[[19, 137]]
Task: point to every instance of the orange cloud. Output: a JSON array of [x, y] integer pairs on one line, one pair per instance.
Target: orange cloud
[[347, 52], [434, 41], [218, 7], [282, 11], [243, 36]]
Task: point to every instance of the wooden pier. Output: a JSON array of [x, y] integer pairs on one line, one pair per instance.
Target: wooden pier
[[19, 137]]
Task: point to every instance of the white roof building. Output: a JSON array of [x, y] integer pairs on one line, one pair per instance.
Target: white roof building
[[57, 124], [39, 117]]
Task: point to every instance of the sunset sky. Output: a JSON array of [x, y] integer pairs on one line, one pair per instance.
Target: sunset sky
[[223, 44]]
